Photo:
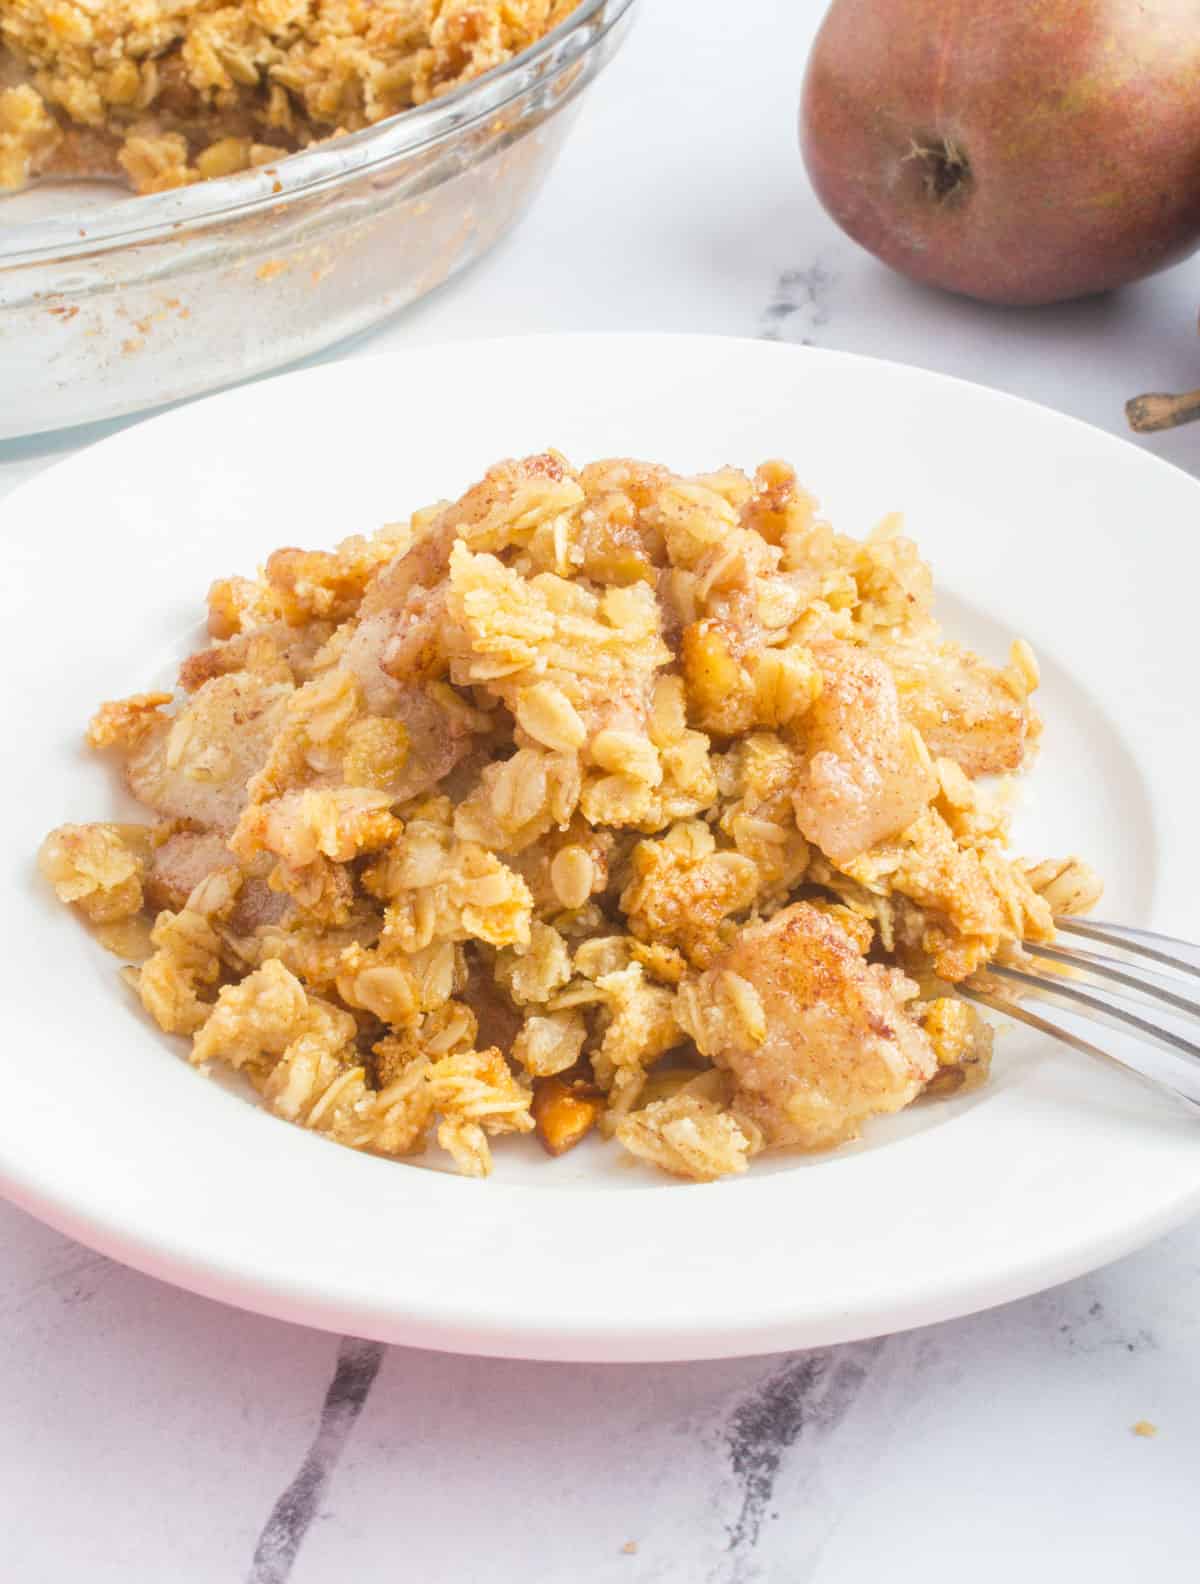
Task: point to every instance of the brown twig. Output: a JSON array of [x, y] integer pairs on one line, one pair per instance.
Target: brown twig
[[1157, 410]]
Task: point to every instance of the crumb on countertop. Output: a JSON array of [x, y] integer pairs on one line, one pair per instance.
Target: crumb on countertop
[[1145, 1428]]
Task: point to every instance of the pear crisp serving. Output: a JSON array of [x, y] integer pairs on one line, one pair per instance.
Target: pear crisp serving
[[163, 93], [598, 800]]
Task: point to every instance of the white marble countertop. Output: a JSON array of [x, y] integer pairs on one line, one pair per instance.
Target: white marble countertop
[[151, 1435]]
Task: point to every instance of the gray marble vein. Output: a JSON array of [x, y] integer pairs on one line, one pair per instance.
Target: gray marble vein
[[803, 1402], [284, 1531], [799, 306]]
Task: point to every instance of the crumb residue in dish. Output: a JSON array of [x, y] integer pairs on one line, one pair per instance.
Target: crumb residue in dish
[[596, 801]]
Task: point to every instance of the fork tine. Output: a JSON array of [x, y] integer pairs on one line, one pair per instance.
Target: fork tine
[[1111, 970], [1036, 984], [1022, 1014], [1123, 937]]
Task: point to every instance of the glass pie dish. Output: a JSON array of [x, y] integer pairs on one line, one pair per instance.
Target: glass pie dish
[[110, 303]]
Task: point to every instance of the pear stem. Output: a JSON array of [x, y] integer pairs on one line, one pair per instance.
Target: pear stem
[[1156, 410]]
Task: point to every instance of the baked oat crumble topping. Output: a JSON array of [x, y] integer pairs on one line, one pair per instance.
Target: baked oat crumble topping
[[597, 800], [163, 93]]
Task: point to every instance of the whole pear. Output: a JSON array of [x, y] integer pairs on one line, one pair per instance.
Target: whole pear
[[1019, 151]]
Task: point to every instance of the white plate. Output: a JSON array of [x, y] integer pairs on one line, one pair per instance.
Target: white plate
[[1034, 524]]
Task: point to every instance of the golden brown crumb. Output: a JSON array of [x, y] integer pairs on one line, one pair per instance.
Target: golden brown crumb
[[122, 723], [28, 134], [1145, 1428], [693, 1134], [597, 800], [961, 1041], [97, 867]]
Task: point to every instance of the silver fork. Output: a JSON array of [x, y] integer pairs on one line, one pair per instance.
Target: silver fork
[[1136, 986]]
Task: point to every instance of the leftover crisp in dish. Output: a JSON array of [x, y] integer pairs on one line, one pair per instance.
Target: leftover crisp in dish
[[168, 92], [600, 799]]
